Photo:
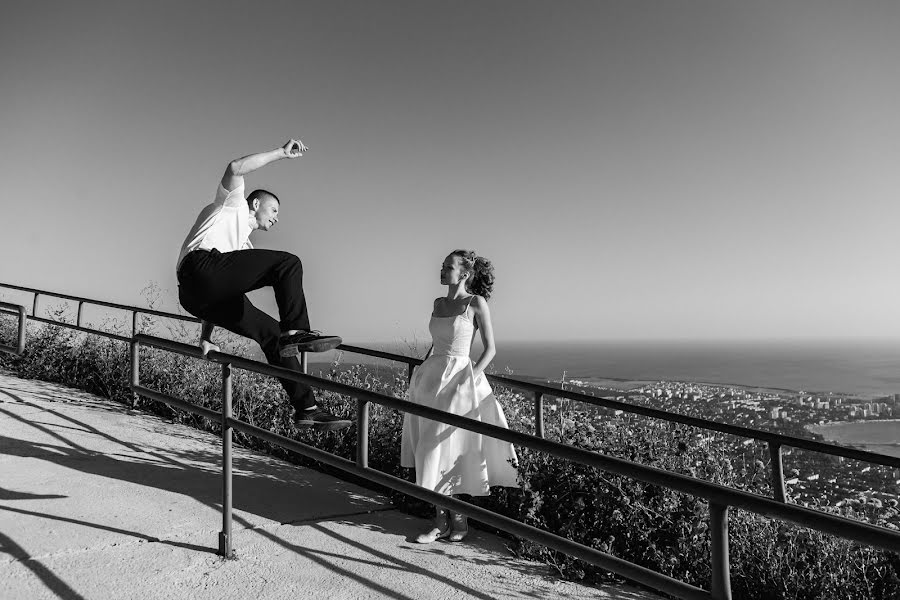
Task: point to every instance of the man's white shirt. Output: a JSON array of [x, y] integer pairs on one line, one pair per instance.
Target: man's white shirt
[[223, 225]]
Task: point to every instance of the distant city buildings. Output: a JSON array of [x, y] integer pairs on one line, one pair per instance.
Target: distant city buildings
[[817, 479]]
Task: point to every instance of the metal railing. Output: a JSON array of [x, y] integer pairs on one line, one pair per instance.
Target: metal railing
[[719, 497], [134, 310], [775, 441]]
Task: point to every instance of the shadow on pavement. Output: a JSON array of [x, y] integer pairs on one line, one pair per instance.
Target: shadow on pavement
[[47, 577], [260, 487], [263, 486]]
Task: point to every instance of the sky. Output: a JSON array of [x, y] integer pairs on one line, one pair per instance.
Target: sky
[[634, 169]]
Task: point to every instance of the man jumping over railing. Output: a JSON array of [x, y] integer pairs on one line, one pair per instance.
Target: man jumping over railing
[[218, 266]]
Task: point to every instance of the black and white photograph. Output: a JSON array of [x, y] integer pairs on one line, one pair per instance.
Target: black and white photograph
[[498, 299]]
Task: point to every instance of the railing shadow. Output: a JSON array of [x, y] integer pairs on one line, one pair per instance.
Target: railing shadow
[[265, 487], [488, 557], [194, 474], [140, 536], [56, 585], [6, 494]]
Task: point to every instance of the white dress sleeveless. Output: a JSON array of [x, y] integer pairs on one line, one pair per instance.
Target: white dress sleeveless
[[448, 459]]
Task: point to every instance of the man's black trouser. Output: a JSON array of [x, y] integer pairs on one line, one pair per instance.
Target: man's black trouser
[[212, 286]]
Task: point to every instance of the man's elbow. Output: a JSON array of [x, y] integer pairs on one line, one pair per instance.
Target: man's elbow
[[233, 168]]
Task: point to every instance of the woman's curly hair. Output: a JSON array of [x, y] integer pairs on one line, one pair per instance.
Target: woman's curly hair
[[482, 280]]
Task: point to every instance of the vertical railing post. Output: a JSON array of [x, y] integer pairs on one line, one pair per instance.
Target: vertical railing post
[[304, 363], [135, 370], [539, 414], [362, 433], [78, 319], [225, 548], [34, 305], [409, 372], [778, 488], [134, 320], [20, 344], [721, 565]]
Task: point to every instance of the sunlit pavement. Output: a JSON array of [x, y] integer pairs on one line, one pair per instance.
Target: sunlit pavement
[[99, 501]]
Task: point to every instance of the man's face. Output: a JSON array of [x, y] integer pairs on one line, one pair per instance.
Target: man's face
[[267, 213]]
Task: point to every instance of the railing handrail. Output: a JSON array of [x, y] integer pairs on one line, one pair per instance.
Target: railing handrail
[[738, 430], [656, 413], [682, 483], [617, 565], [137, 309], [720, 498], [772, 438]]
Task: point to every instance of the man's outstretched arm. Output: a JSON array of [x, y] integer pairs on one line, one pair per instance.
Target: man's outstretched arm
[[234, 173]]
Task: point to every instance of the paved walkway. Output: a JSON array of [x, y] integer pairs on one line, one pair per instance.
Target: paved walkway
[[99, 501]]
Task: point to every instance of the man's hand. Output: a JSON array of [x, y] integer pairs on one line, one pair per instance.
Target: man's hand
[[234, 173], [294, 149]]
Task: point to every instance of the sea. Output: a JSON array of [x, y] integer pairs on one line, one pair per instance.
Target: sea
[[863, 368]]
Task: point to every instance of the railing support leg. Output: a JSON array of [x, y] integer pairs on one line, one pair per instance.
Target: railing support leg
[[539, 414], [362, 433], [20, 344], [225, 548], [304, 363], [409, 372], [19, 348], [78, 318], [778, 488], [135, 370], [721, 566]]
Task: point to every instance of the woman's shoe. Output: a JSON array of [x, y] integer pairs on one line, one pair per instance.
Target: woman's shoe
[[439, 531], [459, 527]]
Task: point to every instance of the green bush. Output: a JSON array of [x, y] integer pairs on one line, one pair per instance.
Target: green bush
[[645, 524]]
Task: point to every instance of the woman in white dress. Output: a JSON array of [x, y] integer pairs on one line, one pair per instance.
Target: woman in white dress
[[448, 459]]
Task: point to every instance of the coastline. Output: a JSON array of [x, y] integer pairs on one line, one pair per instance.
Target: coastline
[[630, 384], [840, 423], [881, 436]]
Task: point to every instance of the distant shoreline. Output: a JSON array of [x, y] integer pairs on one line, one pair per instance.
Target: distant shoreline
[[854, 433], [839, 423], [599, 381]]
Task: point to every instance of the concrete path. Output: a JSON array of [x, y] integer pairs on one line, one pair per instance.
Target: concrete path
[[99, 501]]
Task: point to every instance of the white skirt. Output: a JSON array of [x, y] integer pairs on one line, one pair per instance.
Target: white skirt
[[448, 459]]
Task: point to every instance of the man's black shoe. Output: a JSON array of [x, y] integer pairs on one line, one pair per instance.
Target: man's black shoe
[[307, 341], [319, 419]]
